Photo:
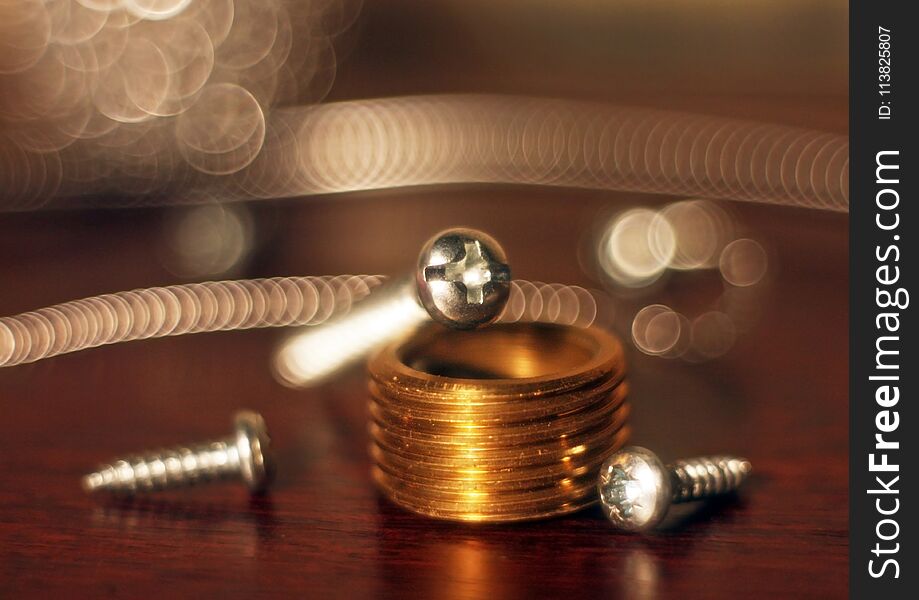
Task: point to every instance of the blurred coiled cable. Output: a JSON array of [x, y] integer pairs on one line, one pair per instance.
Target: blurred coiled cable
[[233, 305], [445, 139], [451, 139], [177, 310]]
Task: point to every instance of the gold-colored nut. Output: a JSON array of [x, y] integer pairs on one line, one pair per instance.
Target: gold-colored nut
[[503, 424]]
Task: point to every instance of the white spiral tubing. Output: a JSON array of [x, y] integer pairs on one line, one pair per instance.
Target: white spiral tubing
[[424, 140], [233, 305]]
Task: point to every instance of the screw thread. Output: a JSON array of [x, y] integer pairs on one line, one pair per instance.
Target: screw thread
[[170, 468], [703, 477]]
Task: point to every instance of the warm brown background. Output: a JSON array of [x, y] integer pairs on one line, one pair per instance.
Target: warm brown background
[[780, 397]]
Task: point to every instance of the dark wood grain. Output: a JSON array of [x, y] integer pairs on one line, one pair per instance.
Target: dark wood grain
[[779, 398]]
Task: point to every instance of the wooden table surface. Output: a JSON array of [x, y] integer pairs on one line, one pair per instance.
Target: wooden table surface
[[779, 398]]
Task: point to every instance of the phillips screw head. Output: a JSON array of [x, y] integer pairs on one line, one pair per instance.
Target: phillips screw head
[[463, 279], [637, 489]]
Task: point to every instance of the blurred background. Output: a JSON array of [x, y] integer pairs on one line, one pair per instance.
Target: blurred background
[[173, 102], [154, 142]]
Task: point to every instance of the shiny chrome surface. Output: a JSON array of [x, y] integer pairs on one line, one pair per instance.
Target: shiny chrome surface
[[244, 455], [463, 278], [637, 489]]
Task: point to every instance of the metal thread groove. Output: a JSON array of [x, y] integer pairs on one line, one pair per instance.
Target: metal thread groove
[[703, 477], [179, 466]]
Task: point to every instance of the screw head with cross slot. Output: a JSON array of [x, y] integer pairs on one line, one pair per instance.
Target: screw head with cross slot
[[463, 278]]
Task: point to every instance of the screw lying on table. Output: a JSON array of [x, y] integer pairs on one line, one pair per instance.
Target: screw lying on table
[[243, 455], [636, 488]]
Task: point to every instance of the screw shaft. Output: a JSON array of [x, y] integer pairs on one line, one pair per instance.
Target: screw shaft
[[173, 467], [703, 477]]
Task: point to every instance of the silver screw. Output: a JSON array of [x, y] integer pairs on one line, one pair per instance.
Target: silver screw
[[637, 489], [463, 279], [242, 455]]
